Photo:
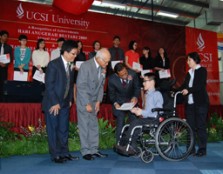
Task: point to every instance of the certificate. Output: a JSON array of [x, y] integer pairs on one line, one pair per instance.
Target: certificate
[[145, 71], [164, 74], [20, 76], [137, 66], [113, 63], [5, 58], [78, 64], [39, 76], [126, 106]]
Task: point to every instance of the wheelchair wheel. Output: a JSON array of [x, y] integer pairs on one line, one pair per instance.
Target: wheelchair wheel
[[138, 152], [147, 156], [174, 139]]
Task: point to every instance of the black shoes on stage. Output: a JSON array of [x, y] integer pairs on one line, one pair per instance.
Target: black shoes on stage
[[200, 152], [92, 156], [60, 159]]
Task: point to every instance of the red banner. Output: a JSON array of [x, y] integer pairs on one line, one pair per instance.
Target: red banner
[[205, 43], [50, 23]]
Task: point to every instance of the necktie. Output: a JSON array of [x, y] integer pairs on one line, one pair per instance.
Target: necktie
[[99, 72], [116, 54], [68, 80], [2, 49], [124, 83]]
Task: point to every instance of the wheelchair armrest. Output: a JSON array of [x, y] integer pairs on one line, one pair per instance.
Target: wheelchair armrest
[[161, 110]]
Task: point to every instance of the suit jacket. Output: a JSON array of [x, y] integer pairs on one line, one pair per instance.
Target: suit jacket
[[7, 50], [112, 51], [198, 89], [90, 89], [120, 94], [55, 84]]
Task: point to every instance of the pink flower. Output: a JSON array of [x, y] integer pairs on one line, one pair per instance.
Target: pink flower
[[129, 77]]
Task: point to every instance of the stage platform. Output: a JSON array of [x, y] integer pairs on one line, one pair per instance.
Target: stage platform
[[116, 164]]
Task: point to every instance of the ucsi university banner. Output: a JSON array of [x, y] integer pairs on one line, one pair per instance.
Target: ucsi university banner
[[205, 43], [50, 23]]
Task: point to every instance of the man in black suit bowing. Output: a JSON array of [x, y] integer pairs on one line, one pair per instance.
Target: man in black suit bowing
[[57, 101], [123, 86]]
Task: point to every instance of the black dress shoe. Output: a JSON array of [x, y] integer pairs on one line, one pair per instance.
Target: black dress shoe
[[201, 152], [100, 155], [70, 158], [58, 159], [88, 157]]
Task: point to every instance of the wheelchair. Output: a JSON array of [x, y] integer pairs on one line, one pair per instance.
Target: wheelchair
[[168, 136]]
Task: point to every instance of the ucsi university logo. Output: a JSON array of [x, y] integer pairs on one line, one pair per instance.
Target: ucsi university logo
[[20, 11], [200, 43]]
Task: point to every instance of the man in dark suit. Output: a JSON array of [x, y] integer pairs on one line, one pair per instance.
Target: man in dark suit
[[123, 86], [4, 49], [90, 90], [117, 54], [57, 101]]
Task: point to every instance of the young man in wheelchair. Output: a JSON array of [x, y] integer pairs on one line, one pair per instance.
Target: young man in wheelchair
[[153, 99]]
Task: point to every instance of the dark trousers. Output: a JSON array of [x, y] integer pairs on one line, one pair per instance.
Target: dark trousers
[[134, 123], [196, 117], [120, 121], [3, 78], [57, 128]]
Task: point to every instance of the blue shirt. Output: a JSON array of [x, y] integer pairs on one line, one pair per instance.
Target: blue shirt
[[153, 99]]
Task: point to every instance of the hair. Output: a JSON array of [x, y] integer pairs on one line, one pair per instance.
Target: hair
[[38, 42], [68, 45], [119, 67], [22, 36], [147, 49], [3, 32], [165, 53], [60, 39], [131, 43], [195, 56], [151, 76], [116, 37], [96, 41]]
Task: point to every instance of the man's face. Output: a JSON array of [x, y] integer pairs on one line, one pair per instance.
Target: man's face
[[116, 42], [148, 83], [70, 56], [4, 38], [104, 61], [123, 74]]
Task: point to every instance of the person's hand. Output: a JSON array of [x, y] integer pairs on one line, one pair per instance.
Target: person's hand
[[134, 100], [2, 64], [137, 111], [97, 107], [70, 104], [117, 105], [184, 91], [76, 68], [55, 109], [41, 71], [89, 108]]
